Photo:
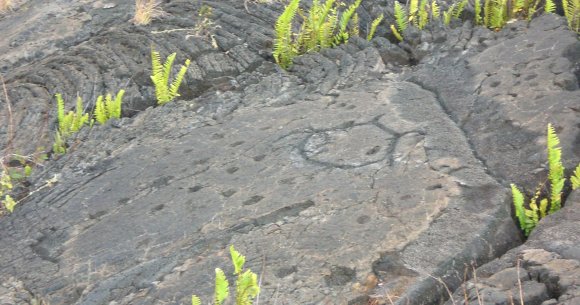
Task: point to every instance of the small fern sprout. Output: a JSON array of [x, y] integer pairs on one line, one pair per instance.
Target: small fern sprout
[[247, 287], [108, 108], [164, 91], [69, 123], [374, 26], [195, 300]]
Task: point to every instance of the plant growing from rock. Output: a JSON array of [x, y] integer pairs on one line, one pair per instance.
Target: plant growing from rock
[[374, 26], [68, 124], [14, 170], [572, 13], [164, 91], [575, 179], [321, 27], [420, 13], [145, 11], [247, 287], [108, 108], [552, 199]]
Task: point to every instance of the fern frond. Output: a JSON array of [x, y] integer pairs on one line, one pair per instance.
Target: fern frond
[[100, 111], [448, 14], [543, 207], [60, 111], [422, 15], [174, 88], [222, 287], [59, 145], [556, 170], [246, 288], [487, 13], [9, 203], [550, 6], [115, 108], [195, 300], [237, 259], [374, 26], [400, 18], [459, 9], [283, 50], [575, 179], [518, 200], [345, 18], [477, 7], [354, 26], [498, 12], [413, 10], [327, 38], [396, 33], [435, 10]]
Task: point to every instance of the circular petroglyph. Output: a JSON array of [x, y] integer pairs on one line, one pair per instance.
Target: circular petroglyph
[[347, 148]]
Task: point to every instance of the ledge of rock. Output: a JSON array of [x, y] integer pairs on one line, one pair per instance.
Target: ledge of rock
[[352, 178]]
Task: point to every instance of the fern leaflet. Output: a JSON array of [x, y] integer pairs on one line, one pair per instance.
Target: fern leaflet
[[195, 300], [575, 179], [283, 50], [435, 10], [400, 18], [556, 169], [222, 289], [550, 6], [374, 26]]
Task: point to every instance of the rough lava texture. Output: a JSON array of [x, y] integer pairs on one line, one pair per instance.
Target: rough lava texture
[[547, 266], [366, 172]]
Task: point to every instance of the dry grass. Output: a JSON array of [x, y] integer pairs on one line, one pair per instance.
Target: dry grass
[[145, 11], [6, 5]]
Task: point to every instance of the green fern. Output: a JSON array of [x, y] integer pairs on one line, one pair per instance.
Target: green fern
[[556, 173], [422, 15], [550, 6], [448, 14], [400, 17], [518, 199], [435, 10], [413, 11], [528, 218], [459, 9], [345, 18], [374, 26], [164, 91], [68, 124], [572, 14], [477, 7], [222, 289], [247, 287], [195, 300], [396, 33], [108, 108], [498, 18], [284, 52], [575, 179]]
